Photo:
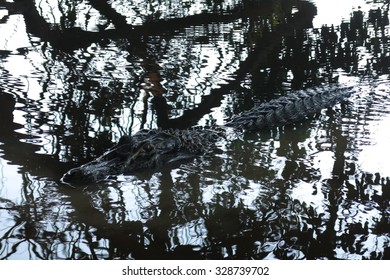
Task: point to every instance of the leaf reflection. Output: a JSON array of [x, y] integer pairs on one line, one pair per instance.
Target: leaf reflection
[[77, 75]]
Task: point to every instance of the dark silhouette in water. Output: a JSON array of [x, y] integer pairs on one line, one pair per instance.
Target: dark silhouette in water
[[153, 148]]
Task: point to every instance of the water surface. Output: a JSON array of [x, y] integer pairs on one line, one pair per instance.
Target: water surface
[[77, 75]]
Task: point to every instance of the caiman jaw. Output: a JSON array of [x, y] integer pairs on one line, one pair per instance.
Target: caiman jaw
[[143, 150], [88, 173], [75, 175], [152, 148]]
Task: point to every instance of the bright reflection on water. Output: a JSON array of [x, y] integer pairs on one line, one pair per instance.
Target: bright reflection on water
[[314, 190], [334, 11]]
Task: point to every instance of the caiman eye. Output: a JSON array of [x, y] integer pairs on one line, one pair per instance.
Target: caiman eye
[[147, 147], [144, 151]]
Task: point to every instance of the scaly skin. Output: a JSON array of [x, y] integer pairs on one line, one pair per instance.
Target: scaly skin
[[145, 149], [153, 148], [290, 108]]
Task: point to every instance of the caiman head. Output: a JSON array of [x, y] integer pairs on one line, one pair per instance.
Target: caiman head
[[146, 149]]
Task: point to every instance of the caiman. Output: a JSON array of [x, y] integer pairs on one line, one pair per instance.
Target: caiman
[[156, 147]]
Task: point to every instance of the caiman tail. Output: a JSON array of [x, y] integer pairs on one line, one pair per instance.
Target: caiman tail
[[291, 108], [154, 148]]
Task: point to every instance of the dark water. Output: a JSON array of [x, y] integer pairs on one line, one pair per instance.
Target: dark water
[[76, 75]]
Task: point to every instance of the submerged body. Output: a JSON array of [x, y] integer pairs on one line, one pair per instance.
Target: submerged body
[[153, 148], [145, 149]]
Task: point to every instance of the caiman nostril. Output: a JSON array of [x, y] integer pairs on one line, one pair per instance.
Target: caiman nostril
[[71, 175]]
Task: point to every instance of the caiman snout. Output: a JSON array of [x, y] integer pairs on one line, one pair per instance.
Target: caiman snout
[[88, 173], [75, 175]]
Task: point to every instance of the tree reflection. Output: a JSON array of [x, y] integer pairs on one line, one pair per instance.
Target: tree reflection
[[109, 69]]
